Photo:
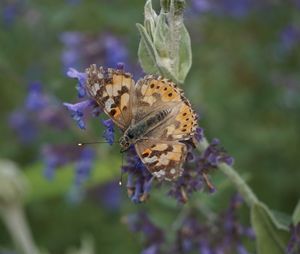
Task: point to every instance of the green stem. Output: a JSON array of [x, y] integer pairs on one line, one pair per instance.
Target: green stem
[[234, 177], [14, 219]]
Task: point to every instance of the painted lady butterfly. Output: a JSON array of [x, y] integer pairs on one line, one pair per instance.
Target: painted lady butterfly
[[153, 114]]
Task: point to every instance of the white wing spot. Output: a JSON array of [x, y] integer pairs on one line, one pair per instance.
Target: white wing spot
[[151, 159], [173, 171], [108, 104]]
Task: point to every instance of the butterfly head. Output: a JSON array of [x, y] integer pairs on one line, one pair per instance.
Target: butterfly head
[[124, 142], [129, 137]]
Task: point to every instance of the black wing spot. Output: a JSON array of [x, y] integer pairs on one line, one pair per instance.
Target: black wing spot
[[113, 112]]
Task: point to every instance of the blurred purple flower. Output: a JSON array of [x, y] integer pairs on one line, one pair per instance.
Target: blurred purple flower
[[153, 236], [84, 165], [22, 124], [202, 5], [78, 110], [235, 8], [55, 156], [39, 109], [232, 8], [36, 100], [115, 51], [82, 49], [108, 194], [290, 37], [10, 11], [296, 3], [293, 246], [241, 249], [73, 2], [109, 133]]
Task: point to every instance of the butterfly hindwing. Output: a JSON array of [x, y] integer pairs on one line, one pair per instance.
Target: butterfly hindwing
[[163, 159], [112, 89]]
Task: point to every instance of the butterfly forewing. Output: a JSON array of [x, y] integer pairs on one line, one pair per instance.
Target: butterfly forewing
[[154, 94], [113, 90]]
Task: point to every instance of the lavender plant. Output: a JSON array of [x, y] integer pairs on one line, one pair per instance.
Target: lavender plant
[[222, 233]]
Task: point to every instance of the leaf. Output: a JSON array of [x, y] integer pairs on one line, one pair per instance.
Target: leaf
[[145, 59], [147, 53], [185, 54], [41, 188], [269, 237], [296, 214], [150, 18], [283, 219], [161, 39]]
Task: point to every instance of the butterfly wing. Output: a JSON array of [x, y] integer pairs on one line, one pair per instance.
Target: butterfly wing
[[154, 94], [161, 149], [112, 89], [163, 159]]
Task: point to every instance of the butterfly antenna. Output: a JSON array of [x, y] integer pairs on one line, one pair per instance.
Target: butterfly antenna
[[121, 176], [92, 143]]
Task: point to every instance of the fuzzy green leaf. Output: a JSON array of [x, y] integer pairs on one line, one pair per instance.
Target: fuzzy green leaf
[[185, 54], [146, 61], [269, 237], [150, 18], [147, 53]]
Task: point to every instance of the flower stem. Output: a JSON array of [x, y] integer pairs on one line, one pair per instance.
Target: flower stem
[[234, 177], [14, 219]]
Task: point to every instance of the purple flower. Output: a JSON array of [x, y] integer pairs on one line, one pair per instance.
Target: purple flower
[[290, 37], [199, 134], [36, 100], [108, 194], [241, 249], [196, 169], [139, 178], [293, 246], [73, 2], [235, 8], [115, 51], [22, 124], [77, 111], [55, 156], [202, 5], [84, 165], [81, 77], [10, 11], [153, 235], [109, 133], [82, 49], [232, 8], [194, 234], [214, 235]]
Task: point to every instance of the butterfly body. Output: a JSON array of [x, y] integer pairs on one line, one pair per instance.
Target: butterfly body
[[137, 132], [153, 114]]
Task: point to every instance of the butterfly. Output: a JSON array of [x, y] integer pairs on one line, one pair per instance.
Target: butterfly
[[153, 115]]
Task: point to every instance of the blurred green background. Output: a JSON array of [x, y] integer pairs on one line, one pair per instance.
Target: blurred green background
[[244, 82]]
